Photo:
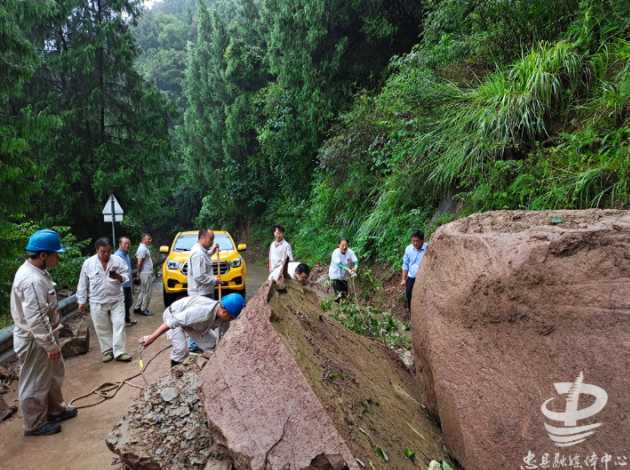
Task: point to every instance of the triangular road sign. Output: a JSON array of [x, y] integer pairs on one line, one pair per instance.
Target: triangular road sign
[[107, 210]]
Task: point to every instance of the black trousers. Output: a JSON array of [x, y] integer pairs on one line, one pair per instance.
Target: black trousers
[[128, 303], [409, 290], [340, 287]]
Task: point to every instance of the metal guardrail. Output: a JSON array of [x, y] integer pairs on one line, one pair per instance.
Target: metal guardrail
[[66, 307]]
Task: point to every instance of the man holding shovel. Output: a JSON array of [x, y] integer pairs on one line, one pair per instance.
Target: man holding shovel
[[201, 279]]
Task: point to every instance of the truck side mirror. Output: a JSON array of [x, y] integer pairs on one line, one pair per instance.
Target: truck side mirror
[[242, 247], [164, 249]]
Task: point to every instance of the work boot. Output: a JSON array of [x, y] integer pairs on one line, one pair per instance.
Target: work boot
[[45, 429], [124, 357], [193, 347], [108, 356], [69, 413]]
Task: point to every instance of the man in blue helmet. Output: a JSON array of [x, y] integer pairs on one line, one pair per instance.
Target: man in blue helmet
[[35, 337], [196, 317]]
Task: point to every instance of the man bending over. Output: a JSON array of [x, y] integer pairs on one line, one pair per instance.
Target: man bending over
[[195, 317]]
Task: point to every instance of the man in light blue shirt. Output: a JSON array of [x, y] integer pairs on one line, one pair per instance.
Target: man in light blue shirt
[[414, 254], [123, 252]]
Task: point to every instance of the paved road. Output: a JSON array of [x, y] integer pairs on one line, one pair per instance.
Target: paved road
[[81, 444]]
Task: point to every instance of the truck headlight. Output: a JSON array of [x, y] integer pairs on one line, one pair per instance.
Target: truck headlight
[[172, 265], [235, 263]]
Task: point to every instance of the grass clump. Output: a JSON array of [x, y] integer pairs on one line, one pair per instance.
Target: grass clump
[[370, 321]]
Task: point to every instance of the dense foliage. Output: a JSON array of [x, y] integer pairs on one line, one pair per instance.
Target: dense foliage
[[362, 118], [162, 35], [77, 121]]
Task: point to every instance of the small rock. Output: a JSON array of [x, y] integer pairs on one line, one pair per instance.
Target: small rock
[[169, 394], [434, 465], [182, 411], [217, 465], [407, 359], [76, 339]]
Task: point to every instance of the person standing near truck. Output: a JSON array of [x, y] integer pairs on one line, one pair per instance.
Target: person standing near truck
[[145, 273], [35, 341], [412, 259], [279, 250], [201, 279]]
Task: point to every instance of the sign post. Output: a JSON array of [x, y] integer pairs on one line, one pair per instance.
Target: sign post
[[112, 212]]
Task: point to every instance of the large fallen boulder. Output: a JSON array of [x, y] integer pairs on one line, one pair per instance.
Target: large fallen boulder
[[521, 326], [288, 388]]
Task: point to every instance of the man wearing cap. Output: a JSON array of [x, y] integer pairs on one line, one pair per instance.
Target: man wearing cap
[[196, 317], [35, 341]]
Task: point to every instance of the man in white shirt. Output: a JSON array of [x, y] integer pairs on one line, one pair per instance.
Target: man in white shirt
[[35, 339], [343, 263], [145, 272], [101, 283], [196, 317], [279, 250], [201, 280]]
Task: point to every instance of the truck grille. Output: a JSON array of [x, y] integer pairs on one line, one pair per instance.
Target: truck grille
[[216, 266]]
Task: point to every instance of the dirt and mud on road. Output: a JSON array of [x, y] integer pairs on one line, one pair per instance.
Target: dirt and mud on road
[[81, 444]]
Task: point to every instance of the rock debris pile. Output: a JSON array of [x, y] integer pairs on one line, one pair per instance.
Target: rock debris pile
[[166, 427]]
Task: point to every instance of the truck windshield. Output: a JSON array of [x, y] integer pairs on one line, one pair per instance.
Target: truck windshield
[[186, 242]]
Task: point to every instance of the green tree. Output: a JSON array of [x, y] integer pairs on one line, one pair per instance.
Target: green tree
[[321, 52], [113, 133], [162, 34]]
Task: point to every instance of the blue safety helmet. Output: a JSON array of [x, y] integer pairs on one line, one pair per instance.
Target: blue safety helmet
[[46, 240], [233, 303]]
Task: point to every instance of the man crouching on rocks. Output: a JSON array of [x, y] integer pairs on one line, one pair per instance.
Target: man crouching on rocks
[[196, 317]]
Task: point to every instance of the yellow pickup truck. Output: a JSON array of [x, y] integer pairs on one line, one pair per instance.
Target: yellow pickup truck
[[228, 264]]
